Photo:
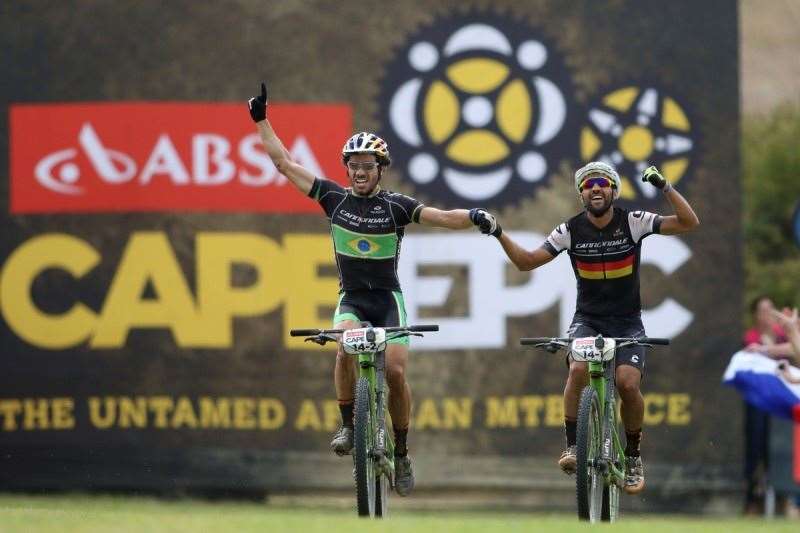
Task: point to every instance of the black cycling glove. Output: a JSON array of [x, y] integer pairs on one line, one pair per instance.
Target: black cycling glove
[[485, 221], [258, 105]]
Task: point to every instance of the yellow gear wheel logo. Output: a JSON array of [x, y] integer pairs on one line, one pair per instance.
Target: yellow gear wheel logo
[[634, 127], [473, 113]]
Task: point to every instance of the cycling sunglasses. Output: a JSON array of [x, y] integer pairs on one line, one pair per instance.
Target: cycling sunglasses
[[368, 166], [600, 181]]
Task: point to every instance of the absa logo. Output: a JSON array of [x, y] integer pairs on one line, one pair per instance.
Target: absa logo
[[165, 156]]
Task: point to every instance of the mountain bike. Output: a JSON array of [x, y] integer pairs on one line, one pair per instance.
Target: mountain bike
[[373, 447], [600, 455]]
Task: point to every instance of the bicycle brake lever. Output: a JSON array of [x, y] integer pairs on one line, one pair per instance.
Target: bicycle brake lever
[[403, 334], [552, 348], [321, 339]]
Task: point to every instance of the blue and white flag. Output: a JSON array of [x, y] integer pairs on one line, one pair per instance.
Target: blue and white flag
[[757, 377]]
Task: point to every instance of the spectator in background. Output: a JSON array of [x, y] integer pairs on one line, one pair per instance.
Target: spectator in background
[[768, 338], [790, 322]]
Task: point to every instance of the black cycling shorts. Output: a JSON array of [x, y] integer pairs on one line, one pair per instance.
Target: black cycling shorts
[[584, 325], [379, 307]]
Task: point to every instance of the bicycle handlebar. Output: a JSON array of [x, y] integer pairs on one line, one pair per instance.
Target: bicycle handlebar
[[423, 327], [529, 341], [304, 332], [390, 329], [532, 341]]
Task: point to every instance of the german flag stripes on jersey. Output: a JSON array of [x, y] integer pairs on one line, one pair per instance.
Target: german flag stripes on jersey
[[605, 260]]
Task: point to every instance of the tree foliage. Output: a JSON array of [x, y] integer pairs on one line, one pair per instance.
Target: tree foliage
[[771, 192]]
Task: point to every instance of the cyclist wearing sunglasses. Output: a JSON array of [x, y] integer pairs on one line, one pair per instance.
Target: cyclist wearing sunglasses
[[367, 225], [604, 244]]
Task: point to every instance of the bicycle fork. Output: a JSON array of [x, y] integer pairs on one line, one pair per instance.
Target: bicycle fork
[[602, 380], [383, 448]]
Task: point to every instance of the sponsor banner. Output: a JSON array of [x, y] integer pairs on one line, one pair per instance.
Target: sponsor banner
[[104, 157], [481, 109], [206, 360], [288, 278], [478, 109], [143, 319], [235, 414]]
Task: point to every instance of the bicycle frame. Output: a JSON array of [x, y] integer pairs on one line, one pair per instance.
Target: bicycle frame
[[372, 366], [602, 380]]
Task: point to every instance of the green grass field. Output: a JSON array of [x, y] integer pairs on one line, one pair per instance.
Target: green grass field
[[133, 514]]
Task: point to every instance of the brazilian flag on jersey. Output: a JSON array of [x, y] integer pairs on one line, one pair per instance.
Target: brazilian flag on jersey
[[352, 244]]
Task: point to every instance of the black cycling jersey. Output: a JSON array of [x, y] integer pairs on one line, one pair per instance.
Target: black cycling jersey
[[605, 260], [366, 233]]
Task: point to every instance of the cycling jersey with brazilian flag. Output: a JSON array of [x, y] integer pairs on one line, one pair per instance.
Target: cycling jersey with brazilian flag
[[366, 233]]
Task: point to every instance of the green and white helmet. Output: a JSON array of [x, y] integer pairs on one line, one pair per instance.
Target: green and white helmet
[[598, 167], [367, 143]]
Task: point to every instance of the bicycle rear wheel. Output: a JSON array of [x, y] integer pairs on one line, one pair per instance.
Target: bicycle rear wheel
[[362, 457], [589, 483]]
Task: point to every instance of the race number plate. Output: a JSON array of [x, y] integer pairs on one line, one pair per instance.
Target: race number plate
[[354, 341], [584, 349]]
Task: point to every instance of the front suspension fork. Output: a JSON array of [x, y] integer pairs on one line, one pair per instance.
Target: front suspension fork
[[383, 450]]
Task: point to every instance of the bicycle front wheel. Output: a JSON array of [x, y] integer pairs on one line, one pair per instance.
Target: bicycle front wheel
[[362, 457], [589, 483]]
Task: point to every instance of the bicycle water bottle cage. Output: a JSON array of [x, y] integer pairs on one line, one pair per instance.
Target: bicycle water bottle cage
[[363, 340], [587, 349]]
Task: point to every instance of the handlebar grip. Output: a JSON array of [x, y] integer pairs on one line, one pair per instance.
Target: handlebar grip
[[304, 332], [527, 341], [424, 327], [655, 340]]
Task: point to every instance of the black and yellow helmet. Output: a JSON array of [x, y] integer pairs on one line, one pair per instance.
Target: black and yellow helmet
[[367, 143]]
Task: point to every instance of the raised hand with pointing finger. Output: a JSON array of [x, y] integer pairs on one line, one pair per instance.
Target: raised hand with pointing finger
[[258, 105]]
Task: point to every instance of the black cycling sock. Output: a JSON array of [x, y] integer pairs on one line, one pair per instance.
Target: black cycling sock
[[571, 429], [347, 413], [400, 447], [632, 441]]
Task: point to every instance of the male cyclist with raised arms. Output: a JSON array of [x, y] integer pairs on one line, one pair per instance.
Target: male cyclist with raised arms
[[604, 243], [367, 224]]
